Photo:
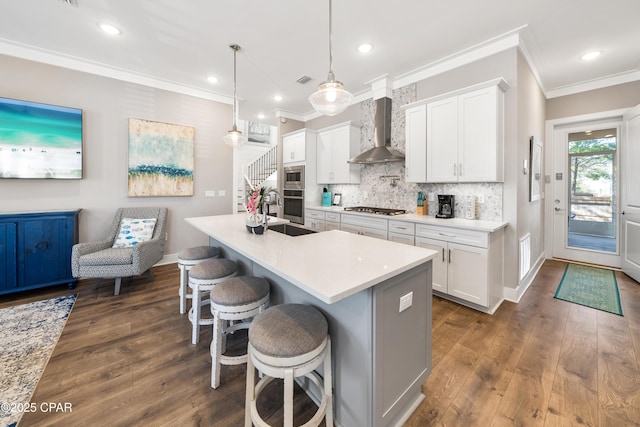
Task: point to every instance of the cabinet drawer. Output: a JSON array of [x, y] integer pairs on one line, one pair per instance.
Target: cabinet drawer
[[332, 216], [314, 214], [402, 227], [365, 221], [454, 235]]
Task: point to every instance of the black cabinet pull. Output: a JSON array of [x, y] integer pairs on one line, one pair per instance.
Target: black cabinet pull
[[42, 246]]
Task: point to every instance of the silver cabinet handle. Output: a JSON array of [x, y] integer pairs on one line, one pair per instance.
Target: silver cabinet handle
[[446, 234]]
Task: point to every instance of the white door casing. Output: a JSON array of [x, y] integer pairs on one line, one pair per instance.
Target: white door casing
[[630, 197], [558, 204]]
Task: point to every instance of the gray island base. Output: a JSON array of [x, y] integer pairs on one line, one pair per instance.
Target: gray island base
[[381, 352]]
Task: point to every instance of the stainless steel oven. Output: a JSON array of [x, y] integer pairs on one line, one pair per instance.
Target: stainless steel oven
[[294, 177], [293, 205]]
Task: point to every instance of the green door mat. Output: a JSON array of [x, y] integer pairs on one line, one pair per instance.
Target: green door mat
[[590, 286]]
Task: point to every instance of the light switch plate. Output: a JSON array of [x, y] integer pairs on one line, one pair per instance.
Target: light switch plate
[[210, 193]]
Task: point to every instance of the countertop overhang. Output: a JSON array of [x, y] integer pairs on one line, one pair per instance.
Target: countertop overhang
[[330, 265]]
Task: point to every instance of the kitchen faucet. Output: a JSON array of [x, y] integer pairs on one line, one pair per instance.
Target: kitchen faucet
[[264, 207]]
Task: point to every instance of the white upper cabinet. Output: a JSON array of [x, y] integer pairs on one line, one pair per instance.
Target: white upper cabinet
[[457, 137], [294, 145], [335, 146]]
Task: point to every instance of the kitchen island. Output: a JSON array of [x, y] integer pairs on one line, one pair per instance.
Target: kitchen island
[[376, 296]]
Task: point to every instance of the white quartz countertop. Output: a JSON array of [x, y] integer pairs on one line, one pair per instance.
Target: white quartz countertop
[[330, 265], [469, 224]]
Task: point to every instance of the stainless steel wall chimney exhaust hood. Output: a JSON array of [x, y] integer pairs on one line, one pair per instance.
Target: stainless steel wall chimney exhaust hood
[[382, 151]]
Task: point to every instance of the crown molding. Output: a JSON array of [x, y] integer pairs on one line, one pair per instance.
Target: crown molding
[[73, 63], [618, 79]]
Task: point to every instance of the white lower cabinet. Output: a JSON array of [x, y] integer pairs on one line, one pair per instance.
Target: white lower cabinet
[[332, 221], [314, 220], [469, 272], [402, 232], [364, 225]]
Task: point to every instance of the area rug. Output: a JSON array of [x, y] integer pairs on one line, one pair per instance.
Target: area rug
[[590, 286], [28, 335]]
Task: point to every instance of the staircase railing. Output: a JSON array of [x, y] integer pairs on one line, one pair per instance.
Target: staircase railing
[[256, 173], [262, 168]]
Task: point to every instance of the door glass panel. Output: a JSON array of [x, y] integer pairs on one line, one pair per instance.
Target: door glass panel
[[592, 189]]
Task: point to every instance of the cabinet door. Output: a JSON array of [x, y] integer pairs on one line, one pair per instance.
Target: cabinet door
[[44, 257], [467, 273], [293, 148], [329, 225], [8, 256], [402, 238], [479, 145], [439, 276], [324, 170], [340, 151], [442, 140], [416, 144], [372, 232]]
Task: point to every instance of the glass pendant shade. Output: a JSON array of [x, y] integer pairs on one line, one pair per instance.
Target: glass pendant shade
[[234, 138], [331, 98]]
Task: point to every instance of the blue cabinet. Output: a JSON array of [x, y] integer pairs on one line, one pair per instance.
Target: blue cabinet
[[35, 249]]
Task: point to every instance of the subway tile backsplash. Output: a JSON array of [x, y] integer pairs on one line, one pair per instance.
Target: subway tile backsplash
[[378, 188]]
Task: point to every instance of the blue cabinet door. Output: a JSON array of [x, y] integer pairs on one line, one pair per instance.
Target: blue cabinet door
[[41, 247], [8, 256]]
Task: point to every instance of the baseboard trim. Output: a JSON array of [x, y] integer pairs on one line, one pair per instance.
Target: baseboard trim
[[168, 259], [515, 294]]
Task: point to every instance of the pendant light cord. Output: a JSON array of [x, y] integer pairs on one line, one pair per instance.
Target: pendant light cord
[[235, 48], [331, 77]]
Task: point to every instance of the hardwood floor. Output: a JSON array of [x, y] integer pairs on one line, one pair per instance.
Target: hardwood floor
[[128, 360]]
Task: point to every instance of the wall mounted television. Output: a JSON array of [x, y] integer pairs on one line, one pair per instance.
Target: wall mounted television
[[40, 141]]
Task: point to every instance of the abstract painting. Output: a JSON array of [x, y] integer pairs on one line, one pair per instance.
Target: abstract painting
[[161, 158], [258, 132]]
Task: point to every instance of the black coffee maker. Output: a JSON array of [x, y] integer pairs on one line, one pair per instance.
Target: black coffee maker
[[446, 206]]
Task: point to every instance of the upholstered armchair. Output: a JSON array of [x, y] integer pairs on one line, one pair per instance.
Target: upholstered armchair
[[131, 258]]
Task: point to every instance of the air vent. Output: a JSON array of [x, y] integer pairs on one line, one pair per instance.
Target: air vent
[[304, 79], [70, 2]]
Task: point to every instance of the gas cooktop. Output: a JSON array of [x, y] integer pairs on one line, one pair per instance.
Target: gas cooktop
[[377, 211]]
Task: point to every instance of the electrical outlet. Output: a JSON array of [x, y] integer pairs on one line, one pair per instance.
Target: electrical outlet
[[480, 199], [166, 236], [365, 194], [222, 193], [406, 301], [431, 197]]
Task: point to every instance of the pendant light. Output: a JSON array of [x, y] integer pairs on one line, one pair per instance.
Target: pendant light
[[234, 137], [331, 98]]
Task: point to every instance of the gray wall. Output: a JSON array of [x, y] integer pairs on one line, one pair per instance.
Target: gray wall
[[107, 104], [594, 101]]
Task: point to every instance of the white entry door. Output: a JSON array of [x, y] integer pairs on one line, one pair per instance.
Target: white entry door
[[630, 203], [585, 192]]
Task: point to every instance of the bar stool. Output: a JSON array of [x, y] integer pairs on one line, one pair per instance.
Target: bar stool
[[202, 278], [187, 258], [238, 299], [289, 341]]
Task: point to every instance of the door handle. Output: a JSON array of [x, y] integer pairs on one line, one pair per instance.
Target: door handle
[[557, 209]]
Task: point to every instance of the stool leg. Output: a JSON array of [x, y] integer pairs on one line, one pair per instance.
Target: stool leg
[[250, 392], [288, 397], [216, 349], [184, 278], [328, 380], [195, 306]]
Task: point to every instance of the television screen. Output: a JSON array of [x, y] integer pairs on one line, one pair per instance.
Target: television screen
[[40, 140]]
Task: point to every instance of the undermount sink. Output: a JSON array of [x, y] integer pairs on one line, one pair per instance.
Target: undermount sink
[[291, 230]]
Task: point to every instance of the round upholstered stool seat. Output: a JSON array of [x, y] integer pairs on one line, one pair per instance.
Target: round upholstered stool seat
[[238, 299], [289, 341], [202, 278], [187, 258]]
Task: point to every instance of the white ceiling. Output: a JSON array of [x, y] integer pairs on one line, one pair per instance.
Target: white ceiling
[[176, 44]]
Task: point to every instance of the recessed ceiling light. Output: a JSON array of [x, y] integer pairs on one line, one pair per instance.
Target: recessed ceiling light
[[277, 98], [212, 79], [365, 48], [591, 55], [110, 29], [261, 116]]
